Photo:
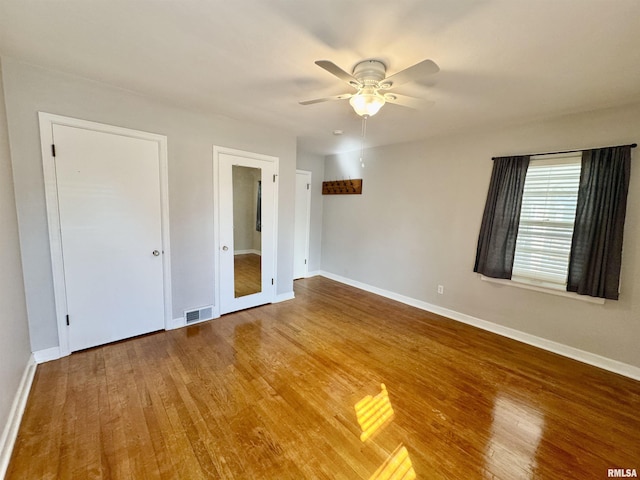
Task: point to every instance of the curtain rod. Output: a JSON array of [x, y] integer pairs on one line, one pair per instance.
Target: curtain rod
[[633, 145]]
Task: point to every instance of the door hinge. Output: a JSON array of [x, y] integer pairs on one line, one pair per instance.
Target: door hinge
[[67, 320], [274, 177], [53, 150], [305, 261], [308, 184], [272, 281]]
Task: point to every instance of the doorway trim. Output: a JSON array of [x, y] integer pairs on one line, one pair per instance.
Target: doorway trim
[[47, 121], [217, 151]]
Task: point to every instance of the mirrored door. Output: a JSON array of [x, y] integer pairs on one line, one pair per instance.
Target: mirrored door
[[246, 225], [247, 230]]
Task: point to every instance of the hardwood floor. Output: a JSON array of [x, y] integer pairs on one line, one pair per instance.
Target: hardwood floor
[[287, 391], [247, 274]]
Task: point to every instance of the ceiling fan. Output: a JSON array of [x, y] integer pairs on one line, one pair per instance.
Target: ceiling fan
[[372, 85]]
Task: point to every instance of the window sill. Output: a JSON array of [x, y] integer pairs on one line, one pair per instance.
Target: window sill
[[560, 293]]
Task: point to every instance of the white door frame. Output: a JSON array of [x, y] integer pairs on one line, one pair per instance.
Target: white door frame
[[217, 151], [308, 225], [47, 120]]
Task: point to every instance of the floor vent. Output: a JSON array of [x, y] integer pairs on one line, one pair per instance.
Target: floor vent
[[203, 313]]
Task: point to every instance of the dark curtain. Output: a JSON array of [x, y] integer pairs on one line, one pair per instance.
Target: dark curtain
[[596, 248], [499, 229], [259, 208]]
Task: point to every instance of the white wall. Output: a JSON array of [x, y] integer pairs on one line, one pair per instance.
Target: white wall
[[314, 163], [14, 340], [191, 136], [416, 226]]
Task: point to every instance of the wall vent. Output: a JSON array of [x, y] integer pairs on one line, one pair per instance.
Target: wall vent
[[199, 314]]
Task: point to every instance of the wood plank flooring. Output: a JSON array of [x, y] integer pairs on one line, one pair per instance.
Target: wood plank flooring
[[247, 274], [270, 393]]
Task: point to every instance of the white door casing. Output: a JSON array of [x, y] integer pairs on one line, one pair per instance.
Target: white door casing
[[302, 224], [224, 159], [106, 192]]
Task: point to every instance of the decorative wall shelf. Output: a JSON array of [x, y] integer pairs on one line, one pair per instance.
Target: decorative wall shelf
[[342, 187]]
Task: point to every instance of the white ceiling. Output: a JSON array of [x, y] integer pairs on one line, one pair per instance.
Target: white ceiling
[[502, 61]]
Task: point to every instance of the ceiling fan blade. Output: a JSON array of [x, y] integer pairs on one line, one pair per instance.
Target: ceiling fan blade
[[406, 101], [416, 72], [344, 96], [338, 72]]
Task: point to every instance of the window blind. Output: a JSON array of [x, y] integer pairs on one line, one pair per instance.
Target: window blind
[[546, 220]]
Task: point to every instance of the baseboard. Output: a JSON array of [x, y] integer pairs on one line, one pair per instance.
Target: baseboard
[[10, 432], [250, 250], [315, 273], [46, 355], [583, 356], [176, 323], [282, 297]]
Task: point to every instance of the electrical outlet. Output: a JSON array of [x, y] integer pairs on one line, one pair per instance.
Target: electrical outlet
[[440, 289]]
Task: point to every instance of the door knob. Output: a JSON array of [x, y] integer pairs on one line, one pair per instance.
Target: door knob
[[156, 253], [225, 248]]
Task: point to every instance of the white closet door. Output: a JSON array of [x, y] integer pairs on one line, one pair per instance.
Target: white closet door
[[302, 222], [246, 275], [109, 202]]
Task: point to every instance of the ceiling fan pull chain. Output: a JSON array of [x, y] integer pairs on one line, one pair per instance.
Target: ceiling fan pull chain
[[364, 134]]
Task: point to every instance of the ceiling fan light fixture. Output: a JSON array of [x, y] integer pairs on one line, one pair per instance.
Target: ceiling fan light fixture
[[367, 102], [371, 83]]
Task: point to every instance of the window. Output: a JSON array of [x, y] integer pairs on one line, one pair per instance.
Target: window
[[547, 218], [557, 220]]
